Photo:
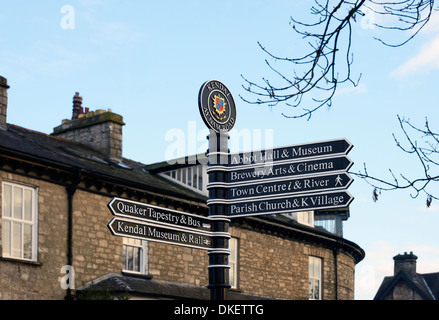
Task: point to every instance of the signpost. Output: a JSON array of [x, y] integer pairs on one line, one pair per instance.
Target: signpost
[[292, 178], [303, 177], [218, 111], [159, 233]]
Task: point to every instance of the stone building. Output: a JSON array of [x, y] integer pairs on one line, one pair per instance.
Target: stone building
[[406, 283], [55, 242]]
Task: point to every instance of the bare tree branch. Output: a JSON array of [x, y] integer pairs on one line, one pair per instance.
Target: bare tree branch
[[313, 78], [318, 68], [426, 153], [327, 64]]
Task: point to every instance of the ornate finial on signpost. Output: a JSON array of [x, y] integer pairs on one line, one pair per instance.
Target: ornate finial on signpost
[[218, 111]]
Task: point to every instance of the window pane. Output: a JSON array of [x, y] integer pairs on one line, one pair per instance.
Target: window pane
[[200, 177], [18, 202], [7, 203], [6, 239], [27, 245], [132, 255], [28, 205], [136, 259], [189, 176], [195, 177], [232, 275], [232, 246], [316, 289], [129, 264], [316, 268], [16, 240], [184, 174], [233, 262]]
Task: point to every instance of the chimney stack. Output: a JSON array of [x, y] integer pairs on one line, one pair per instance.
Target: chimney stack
[[100, 129], [405, 262], [3, 102]]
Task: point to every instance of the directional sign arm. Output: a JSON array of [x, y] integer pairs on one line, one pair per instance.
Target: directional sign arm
[[159, 233], [307, 184], [276, 205], [292, 152]]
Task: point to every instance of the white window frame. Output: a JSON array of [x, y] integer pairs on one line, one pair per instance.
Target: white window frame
[[315, 266], [185, 177], [12, 222], [233, 262], [141, 245]]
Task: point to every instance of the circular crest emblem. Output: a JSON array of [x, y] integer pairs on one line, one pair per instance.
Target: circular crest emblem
[[217, 106]]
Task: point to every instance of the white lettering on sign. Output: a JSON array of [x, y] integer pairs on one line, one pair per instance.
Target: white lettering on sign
[[305, 202], [156, 233], [294, 168], [299, 152], [158, 215]]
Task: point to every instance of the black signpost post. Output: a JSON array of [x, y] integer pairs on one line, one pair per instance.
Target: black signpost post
[[217, 109]]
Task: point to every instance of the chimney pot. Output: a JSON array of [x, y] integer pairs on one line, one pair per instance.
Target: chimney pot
[[77, 106]]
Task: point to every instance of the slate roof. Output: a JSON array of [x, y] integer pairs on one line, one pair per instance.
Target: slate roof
[[68, 155], [119, 284], [426, 285]]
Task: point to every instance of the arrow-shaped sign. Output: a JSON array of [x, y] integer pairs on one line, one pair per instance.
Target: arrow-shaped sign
[[307, 184], [159, 215], [276, 205], [284, 171], [292, 152], [158, 233]]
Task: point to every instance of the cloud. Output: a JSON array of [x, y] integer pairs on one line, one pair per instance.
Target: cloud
[[433, 24], [113, 34], [426, 60], [47, 59], [432, 209], [349, 90]]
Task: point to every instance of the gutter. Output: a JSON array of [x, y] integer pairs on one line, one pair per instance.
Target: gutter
[[70, 190]]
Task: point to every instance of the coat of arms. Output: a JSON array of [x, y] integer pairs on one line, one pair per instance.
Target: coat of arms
[[219, 105]]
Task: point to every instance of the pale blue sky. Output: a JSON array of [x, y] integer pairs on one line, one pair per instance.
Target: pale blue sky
[[146, 60]]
